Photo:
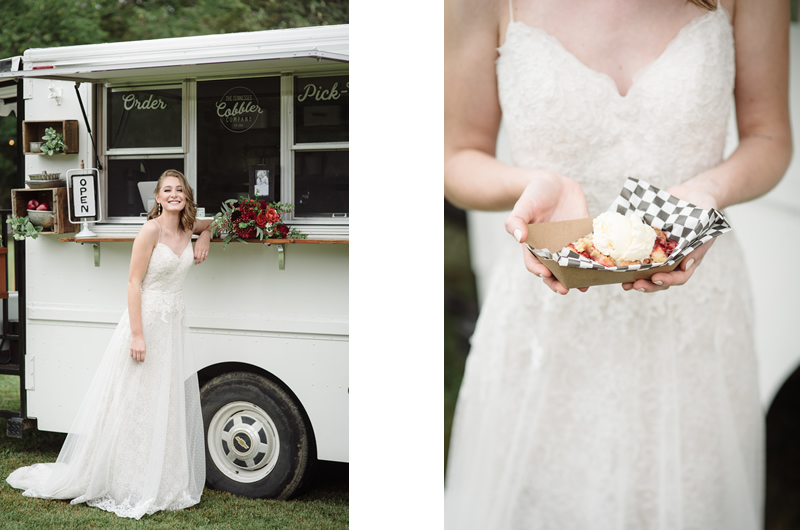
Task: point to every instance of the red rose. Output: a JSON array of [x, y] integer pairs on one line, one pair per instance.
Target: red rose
[[248, 232], [283, 230], [261, 220], [263, 204], [273, 216]]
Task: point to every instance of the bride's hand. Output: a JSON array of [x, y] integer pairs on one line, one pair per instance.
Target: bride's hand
[[548, 198], [202, 246], [661, 281], [137, 348]]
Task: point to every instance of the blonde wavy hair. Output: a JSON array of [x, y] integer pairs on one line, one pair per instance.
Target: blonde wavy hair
[[189, 212]]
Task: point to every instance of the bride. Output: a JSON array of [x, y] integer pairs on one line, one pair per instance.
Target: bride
[[136, 444], [610, 409]]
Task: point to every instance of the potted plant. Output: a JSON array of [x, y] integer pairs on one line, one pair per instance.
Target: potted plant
[[23, 227], [53, 142]]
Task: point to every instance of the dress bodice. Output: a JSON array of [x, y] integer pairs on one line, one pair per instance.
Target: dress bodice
[[670, 126], [166, 270]]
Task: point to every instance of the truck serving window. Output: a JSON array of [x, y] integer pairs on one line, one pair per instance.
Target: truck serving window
[[144, 135], [238, 128], [144, 117], [321, 147]]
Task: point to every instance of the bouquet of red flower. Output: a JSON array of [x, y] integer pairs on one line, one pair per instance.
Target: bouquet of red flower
[[251, 219]]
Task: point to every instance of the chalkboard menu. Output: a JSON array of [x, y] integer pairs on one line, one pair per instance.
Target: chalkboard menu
[[144, 117], [322, 109]]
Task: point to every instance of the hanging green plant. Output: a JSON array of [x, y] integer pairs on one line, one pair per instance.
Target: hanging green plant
[[23, 228], [54, 142]]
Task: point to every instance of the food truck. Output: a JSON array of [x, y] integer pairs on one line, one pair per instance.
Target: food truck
[[260, 114]]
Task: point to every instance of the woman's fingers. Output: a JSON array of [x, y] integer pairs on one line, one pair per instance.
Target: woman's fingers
[[517, 228], [533, 264], [664, 280]]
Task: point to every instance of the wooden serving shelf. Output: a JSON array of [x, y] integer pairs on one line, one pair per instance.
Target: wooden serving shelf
[[217, 240], [279, 243]]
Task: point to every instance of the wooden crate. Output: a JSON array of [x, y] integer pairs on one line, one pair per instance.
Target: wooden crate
[[33, 130], [55, 197]]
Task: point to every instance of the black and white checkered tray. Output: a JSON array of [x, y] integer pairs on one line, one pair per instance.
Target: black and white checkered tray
[[685, 223]]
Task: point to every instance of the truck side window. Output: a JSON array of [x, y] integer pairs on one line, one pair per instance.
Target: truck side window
[[134, 112], [321, 147]]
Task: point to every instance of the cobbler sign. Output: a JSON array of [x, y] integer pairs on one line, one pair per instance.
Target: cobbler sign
[[238, 109]]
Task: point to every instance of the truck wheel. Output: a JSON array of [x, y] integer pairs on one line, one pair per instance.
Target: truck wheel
[[258, 441]]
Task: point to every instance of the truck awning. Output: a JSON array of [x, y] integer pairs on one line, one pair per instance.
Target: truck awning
[[169, 59], [154, 71]]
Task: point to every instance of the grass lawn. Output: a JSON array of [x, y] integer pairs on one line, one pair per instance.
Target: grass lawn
[[324, 506]]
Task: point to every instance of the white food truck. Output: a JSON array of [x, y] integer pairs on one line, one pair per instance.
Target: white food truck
[[261, 114]]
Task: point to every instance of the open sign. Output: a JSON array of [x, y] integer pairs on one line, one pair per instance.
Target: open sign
[[83, 196]]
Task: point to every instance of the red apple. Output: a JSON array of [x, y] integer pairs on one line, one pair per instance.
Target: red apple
[[32, 204], [43, 207]]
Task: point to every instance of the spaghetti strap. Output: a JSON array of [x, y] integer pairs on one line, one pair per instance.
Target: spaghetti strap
[[511, 10]]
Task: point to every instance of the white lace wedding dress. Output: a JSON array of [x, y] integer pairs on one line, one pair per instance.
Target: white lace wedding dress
[[136, 444], [611, 409]]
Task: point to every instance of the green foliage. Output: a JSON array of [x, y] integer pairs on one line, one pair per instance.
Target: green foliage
[[23, 228], [53, 142], [42, 24]]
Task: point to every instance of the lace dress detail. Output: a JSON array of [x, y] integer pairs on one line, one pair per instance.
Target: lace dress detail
[[136, 444], [611, 409]]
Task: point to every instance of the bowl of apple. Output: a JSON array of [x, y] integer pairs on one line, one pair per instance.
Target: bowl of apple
[[40, 214]]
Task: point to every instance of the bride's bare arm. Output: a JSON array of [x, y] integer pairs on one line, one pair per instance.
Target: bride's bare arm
[[473, 178], [761, 32], [143, 246], [203, 244]]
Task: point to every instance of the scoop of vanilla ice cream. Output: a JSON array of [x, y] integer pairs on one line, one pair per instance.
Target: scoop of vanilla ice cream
[[623, 238], [612, 234]]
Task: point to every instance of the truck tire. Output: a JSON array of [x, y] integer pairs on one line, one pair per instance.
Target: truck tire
[[259, 442]]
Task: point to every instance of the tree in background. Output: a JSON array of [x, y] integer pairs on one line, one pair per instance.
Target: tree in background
[[45, 24]]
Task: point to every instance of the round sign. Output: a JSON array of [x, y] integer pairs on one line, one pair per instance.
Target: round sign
[[238, 109]]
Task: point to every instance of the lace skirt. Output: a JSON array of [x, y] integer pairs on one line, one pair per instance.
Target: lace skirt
[[611, 409], [136, 444]]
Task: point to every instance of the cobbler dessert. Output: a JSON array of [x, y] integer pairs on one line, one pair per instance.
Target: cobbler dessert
[[621, 241]]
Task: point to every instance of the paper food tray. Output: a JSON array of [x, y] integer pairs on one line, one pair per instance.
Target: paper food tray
[[685, 223]]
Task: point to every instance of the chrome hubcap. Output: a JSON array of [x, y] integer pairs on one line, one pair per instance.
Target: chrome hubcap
[[243, 441]]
